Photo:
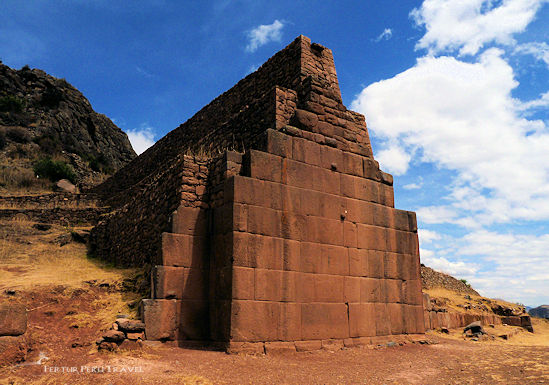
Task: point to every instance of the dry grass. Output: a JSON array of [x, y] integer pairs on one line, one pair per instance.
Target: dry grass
[[517, 335], [30, 258], [453, 299], [64, 204]]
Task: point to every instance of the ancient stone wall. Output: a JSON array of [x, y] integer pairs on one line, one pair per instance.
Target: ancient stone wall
[[131, 235], [293, 242]]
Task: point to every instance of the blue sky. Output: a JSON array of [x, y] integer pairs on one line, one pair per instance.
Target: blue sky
[[455, 93]]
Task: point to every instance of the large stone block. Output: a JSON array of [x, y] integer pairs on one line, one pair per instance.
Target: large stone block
[[333, 260], [324, 321], [306, 151], [161, 318], [289, 324], [362, 320], [264, 221], [254, 320], [179, 283], [383, 323], [193, 323], [306, 287], [262, 165], [329, 288], [183, 250], [371, 237], [291, 255], [243, 283], [396, 318], [190, 221], [13, 319], [279, 143]]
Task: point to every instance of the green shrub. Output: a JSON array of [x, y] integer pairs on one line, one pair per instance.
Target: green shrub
[[11, 103], [54, 170]]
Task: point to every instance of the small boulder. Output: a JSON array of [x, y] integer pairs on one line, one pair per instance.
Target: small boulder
[[13, 319], [130, 325], [114, 336], [475, 328], [110, 346], [66, 185], [135, 336], [131, 345], [42, 226]]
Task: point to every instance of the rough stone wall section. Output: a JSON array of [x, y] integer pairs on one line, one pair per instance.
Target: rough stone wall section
[[131, 235]]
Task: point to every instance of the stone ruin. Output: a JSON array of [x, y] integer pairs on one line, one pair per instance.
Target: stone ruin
[[265, 222]]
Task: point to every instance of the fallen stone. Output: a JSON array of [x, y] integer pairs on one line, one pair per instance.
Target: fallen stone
[[66, 185], [445, 330], [130, 326], [114, 336], [135, 336], [42, 226], [110, 346], [131, 345], [13, 319], [474, 327], [13, 350]]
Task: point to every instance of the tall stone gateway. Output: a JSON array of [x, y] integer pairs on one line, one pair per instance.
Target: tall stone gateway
[[282, 233]]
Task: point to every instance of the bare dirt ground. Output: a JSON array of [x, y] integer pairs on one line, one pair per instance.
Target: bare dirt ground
[[71, 300], [448, 361]]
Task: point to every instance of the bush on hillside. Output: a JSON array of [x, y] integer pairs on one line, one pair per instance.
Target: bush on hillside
[[54, 170], [11, 103]]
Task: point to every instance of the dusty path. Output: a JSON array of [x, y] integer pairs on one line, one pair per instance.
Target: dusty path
[[447, 362]]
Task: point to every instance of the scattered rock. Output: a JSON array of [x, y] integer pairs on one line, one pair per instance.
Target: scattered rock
[[66, 185], [114, 336], [131, 345], [135, 336], [475, 328], [13, 319], [62, 240], [130, 326], [110, 346], [42, 226], [444, 330], [10, 292]]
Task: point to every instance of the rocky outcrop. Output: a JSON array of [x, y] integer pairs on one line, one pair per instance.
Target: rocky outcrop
[[41, 116], [431, 279]]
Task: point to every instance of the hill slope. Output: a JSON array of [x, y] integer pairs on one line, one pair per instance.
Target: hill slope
[[540, 311], [45, 117]]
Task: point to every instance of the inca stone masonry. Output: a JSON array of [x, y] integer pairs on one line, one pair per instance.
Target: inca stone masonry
[[265, 221]]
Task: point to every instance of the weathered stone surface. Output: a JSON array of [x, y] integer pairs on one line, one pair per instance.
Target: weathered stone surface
[[13, 319], [113, 336]]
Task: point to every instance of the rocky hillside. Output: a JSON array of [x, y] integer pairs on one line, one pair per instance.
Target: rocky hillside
[[45, 119], [540, 311], [432, 279]]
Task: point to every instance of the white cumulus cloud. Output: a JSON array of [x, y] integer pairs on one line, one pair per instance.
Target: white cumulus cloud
[[540, 51], [385, 35], [264, 34], [394, 159], [467, 25], [461, 116], [141, 138]]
